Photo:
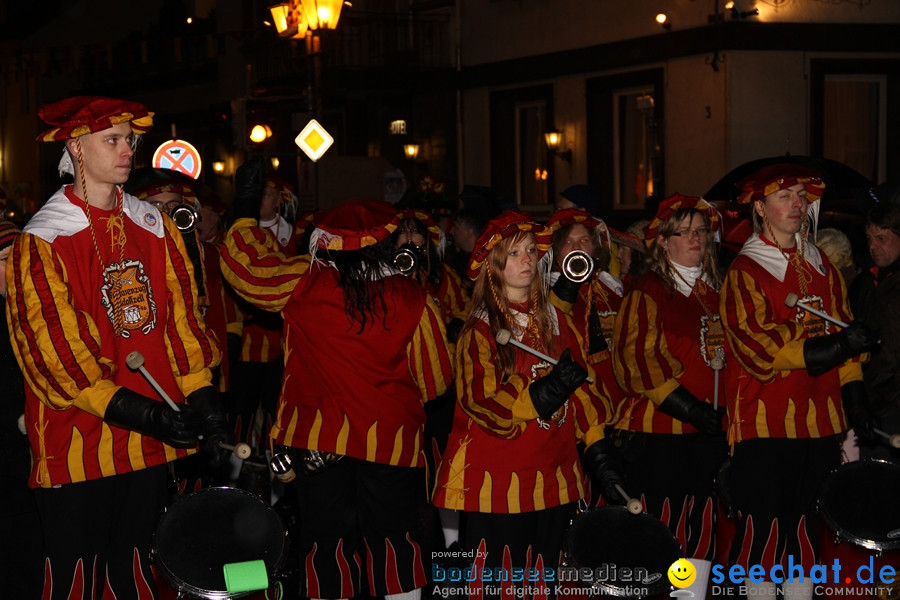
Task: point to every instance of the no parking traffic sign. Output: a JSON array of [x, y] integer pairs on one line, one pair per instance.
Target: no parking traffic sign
[[178, 155]]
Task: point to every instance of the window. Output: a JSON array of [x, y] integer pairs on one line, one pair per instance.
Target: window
[[625, 150], [853, 114], [635, 146], [854, 111], [521, 169], [531, 153]]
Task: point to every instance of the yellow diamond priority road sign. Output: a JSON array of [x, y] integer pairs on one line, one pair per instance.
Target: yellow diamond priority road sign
[[314, 140]]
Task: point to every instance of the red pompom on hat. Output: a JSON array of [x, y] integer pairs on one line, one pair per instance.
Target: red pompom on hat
[[676, 202], [354, 224], [509, 223], [8, 233], [77, 116], [772, 178]]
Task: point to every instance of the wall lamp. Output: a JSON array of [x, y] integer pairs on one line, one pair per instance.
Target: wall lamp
[[218, 167], [554, 140], [411, 151], [664, 21]]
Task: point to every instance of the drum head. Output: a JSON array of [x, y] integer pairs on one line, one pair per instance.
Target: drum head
[[626, 552], [858, 501], [210, 528]]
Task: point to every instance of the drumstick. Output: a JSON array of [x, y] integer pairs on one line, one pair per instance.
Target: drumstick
[[135, 362], [633, 505], [794, 300], [504, 337], [240, 450], [893, 440], [717, 365]]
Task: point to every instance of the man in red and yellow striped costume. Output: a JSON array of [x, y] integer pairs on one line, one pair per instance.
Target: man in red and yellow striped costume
[[97, 275], [365, 348], [799, 376]]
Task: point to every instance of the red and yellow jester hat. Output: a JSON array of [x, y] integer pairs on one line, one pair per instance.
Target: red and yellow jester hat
[[509, 223], [772, 178], [572, 216], [676, 202], [434, 232], [354, 224], [9, 231], [80, 115]]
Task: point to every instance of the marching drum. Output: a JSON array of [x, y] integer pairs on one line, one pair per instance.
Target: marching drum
[[859, 504], [628, 554], [202, 532]]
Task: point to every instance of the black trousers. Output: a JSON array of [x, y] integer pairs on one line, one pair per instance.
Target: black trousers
[[99, 533], [360, 519], [675, 475], [775, 484]]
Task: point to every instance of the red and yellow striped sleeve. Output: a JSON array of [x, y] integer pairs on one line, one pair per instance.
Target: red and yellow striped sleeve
[[641, 358], [594, 409], [192, 348], [428, 354], [761, 342], [234, 318], [255, 268], [501, 408], [455, 300], [57, 346]]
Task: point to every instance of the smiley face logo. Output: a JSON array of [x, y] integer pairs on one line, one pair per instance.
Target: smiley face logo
[[682, 573]]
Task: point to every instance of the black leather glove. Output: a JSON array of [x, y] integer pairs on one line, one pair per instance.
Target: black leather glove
[[551, 391], [602, 462], [214, 425], [454, 327], [566, 289], [129, 410], [856, 407], [248, 189], [826, 352], [682, 405]]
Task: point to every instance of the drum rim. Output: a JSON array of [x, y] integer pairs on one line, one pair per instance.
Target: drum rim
[[203, 593], [840, 532], [619, 591]]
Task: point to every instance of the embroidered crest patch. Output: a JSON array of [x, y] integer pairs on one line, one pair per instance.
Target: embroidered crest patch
[[128, 298]]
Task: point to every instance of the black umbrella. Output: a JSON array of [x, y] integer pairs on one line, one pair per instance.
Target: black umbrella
[[842, 183]]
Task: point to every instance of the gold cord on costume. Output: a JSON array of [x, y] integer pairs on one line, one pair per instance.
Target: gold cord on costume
[[798, 260], [116, 228]]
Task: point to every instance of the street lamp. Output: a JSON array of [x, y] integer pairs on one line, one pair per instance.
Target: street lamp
[[411, 151], [322, 14]]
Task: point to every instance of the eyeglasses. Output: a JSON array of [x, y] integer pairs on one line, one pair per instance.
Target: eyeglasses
[[692, 233]]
